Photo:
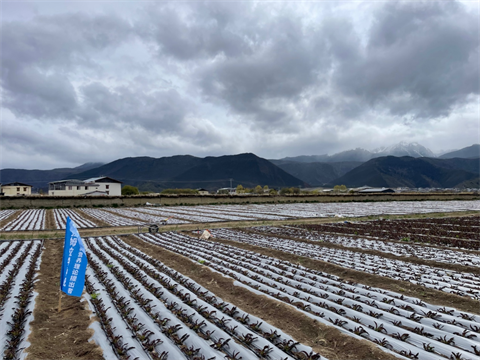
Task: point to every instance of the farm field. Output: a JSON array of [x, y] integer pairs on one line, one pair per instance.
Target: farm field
[[459, 283], [27, 220], [314, 210], [398, 248], [143, 309], [453, 232], [377, 289], [409, 326]]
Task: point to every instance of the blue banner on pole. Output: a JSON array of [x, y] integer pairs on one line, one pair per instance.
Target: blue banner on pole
[[74, 262]]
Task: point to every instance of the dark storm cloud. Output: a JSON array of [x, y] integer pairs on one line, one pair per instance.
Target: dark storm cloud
[[37, 58], [421, 59], [285, 62], [266, 64], [417, 59], [34, 93], [247, 57], [40, 57], [196, 30], [60, 41], [218, 76], [162, 111]]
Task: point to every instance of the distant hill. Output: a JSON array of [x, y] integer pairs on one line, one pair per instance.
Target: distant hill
[[39, 179], [316, 173], [470, 165], [185, 171], [470, 184], [302, 158], [358, 154], [411, 172], [362, 155], [469, 152]]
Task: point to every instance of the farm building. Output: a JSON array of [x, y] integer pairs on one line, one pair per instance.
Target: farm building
[[202, 191], [227, 190], [376, 191], [91, 187], [16, 189], [108, 185]]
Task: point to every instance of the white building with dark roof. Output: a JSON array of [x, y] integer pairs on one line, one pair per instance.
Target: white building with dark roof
[[108, 185], [98, 186]]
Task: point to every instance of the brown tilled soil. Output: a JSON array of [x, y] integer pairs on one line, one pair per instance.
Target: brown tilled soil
[[10, 218], [428, 295], [91, 218], [57, 335], [50, 220], [325, 340], [410, 259]]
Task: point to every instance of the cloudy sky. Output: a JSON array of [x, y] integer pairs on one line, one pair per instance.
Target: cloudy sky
[[85, 81]]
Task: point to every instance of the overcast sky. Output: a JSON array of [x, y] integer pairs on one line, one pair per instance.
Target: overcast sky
[[85, 81]]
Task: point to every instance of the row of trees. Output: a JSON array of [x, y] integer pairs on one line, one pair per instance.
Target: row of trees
[[179, 191], [256, 190], [132, 190]]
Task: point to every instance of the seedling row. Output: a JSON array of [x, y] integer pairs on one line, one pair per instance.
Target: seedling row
[[464, 236], [144, 217], [27, 220], [18, 264], [60, 216], [6, 213], [459, 283], [396, 248]]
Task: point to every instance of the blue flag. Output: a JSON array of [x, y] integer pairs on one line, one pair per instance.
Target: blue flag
[[74, 262]]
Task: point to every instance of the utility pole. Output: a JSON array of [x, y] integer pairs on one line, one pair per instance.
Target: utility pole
[[231, 183]]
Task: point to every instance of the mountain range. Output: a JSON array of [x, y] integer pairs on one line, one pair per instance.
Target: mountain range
[[185, 171], [317, 173], [388, 167], [361, 155], [407, 171], [156, 174], [470, 152]]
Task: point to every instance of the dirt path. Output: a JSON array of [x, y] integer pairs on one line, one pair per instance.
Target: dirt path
[[50, 220], [426, 294], [325, 340], [57, 335]]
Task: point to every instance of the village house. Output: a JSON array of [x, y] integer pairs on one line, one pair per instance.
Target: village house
[[99, 186], [16, 189]]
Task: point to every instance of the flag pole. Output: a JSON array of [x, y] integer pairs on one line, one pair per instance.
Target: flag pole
[[60, 301]]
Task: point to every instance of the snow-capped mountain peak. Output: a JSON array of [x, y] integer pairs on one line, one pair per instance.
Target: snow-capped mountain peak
[[405, 149]]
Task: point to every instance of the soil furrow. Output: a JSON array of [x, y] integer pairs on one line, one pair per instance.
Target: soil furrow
[[49, 220]]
